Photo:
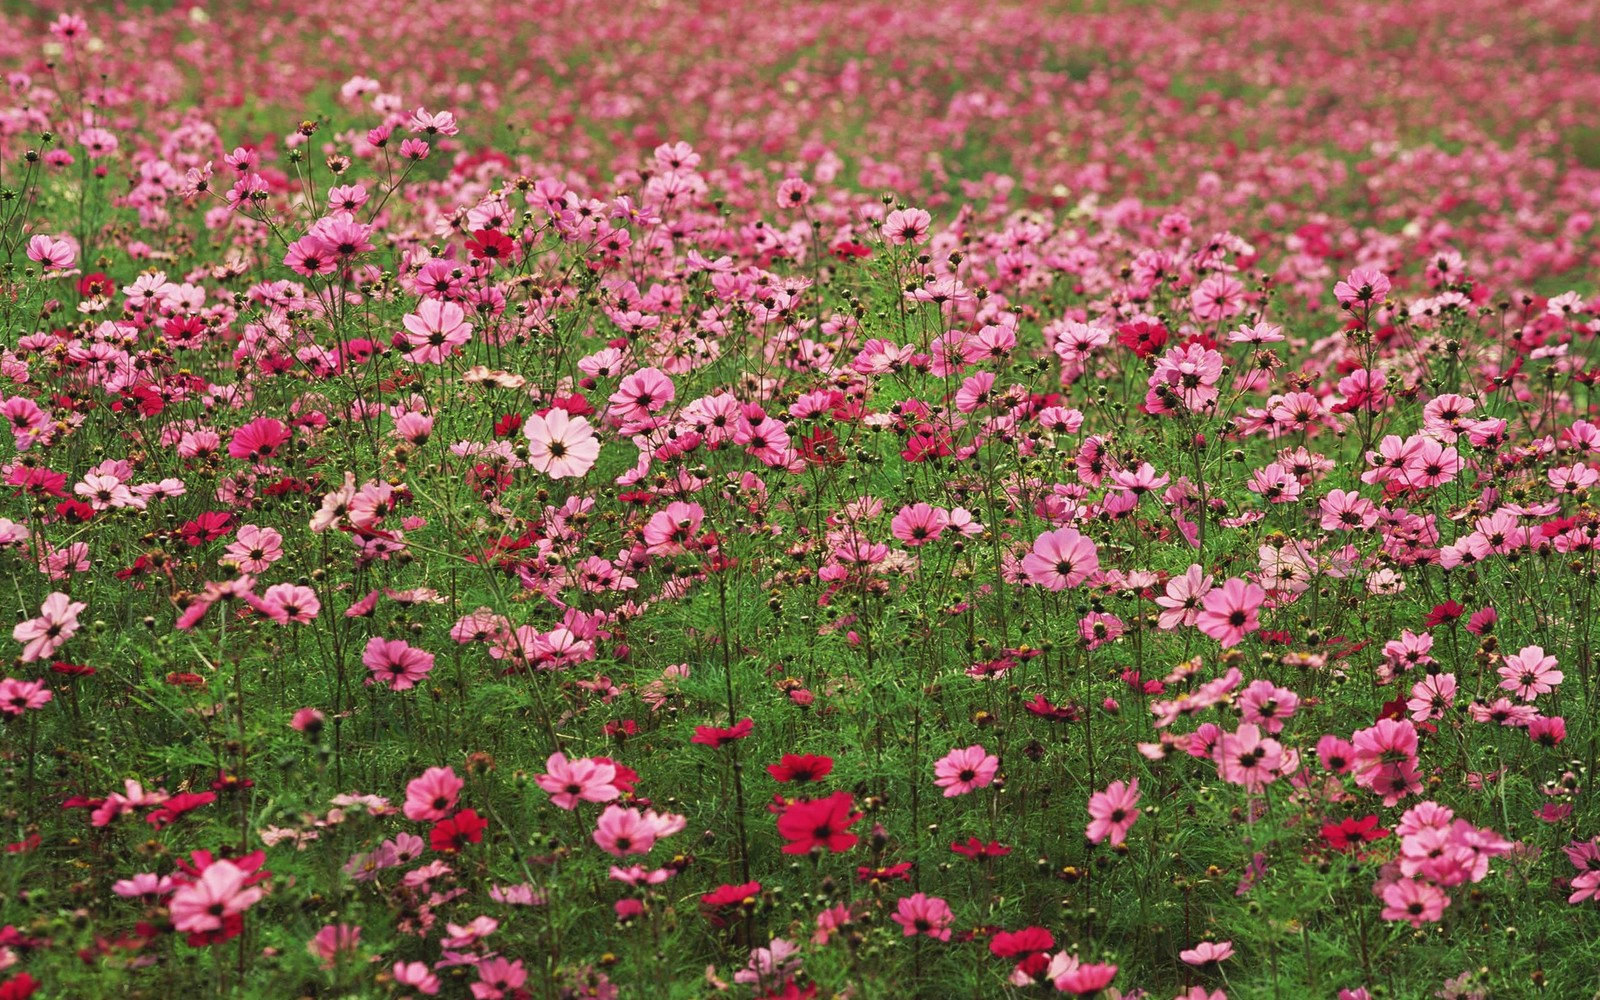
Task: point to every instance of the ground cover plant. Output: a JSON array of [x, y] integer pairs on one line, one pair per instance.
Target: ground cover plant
[[859, 500]]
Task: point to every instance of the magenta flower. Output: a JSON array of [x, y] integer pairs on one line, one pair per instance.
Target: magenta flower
[[57, 622], [1061, 559], [435, 331], [258, 440], [395, 664], [1414, 901], [586, 780], [1530, 673], [966, 770], [432, 797], [1230, 611], [919, 913], [50, 253], [218, 893], [1365, 286], [1112, 813]]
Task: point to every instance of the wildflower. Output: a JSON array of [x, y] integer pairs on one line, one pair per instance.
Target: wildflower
[[1061, 559], [449, 836], [714, 737], [1112, 813], [1414, 901], [395, 663], [1530, 673], [221, 891], [432, 796], [559, 445], [1230, 611], [807, 825], [435, 331], [966, 770], [586, 780], [923, 914], [57, 622], [801, 767]]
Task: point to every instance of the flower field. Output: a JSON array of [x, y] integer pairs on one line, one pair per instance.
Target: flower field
[[812, 499]]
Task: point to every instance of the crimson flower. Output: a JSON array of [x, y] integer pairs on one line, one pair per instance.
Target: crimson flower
[[490, 245], [819, 823], [716, 736], [1351, 833], [450, 835], [801, 767], [976, 849]]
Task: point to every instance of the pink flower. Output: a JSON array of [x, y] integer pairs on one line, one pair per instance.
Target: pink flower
[[497, 977], [333, 942], [254, 549], [17, 696], [432, 797], [258, 440], [52, 254], [1530, 673], [435, 330], [1217, 298], [560, 445], [416, 975], [1187, 375], [922, 914], [1386, 759], [1432, 696], [287, 602], [669, 531], [1182, 598], [57, 622], [642, 393], [1112, 813], [1230, 612], [1085, 979], [621, 832], [907, 225], [1414, 901], [1244, 758], [586, 780], [1061, 559], [967, 770], [919, 524], [1267, 705], [219, 892], [1366, 286], [395, 664], [1207, 953]]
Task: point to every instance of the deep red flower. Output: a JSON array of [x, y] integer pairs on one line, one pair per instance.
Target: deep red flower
[[20, 988], [1350, 833], [208, 527], [74, 512], [491, 245], [720, 904], [1142, 338], [1020, 944], [819, 823], [450, 835], [801, 767], [1446, 613], [975, 849], [900, 872], [169, 811], [716, 736], [37, 482]]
